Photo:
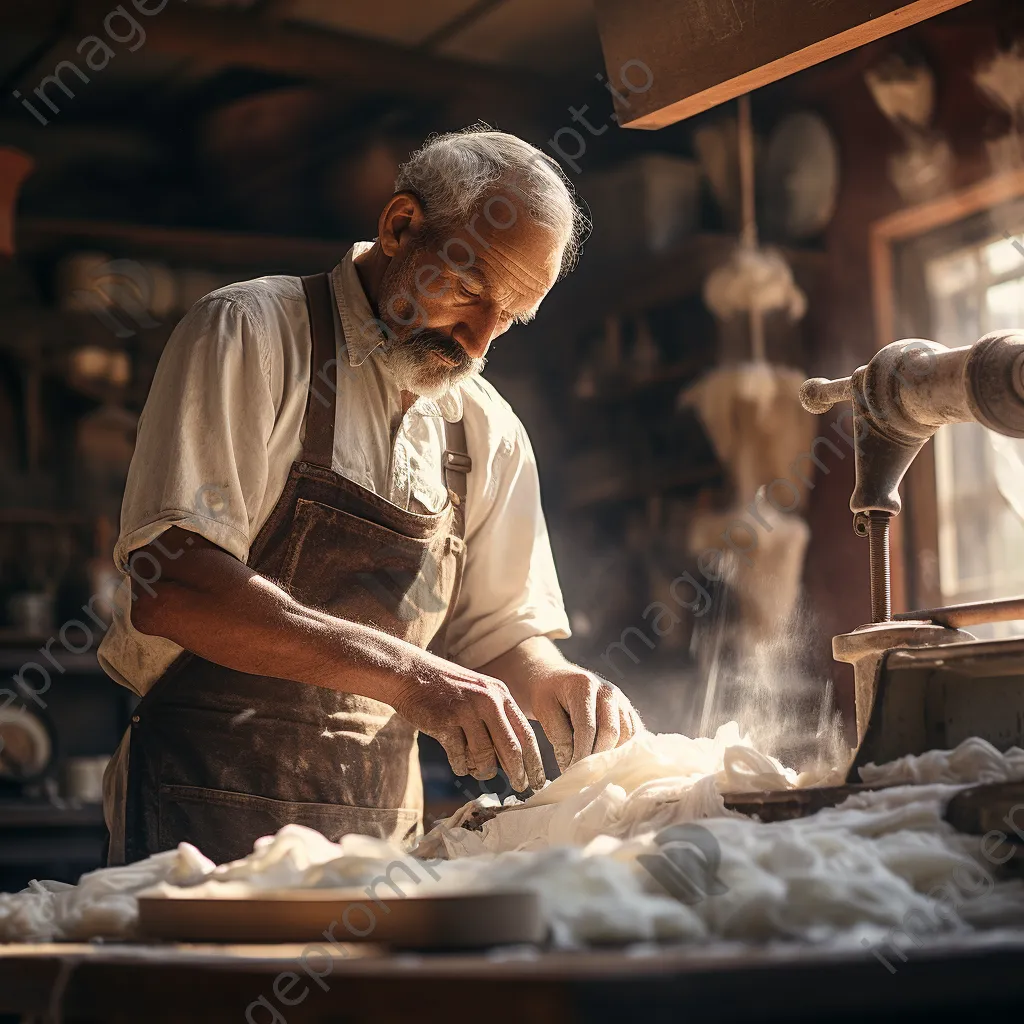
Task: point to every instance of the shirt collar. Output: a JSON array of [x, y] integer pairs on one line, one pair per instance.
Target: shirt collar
[[363, 335]]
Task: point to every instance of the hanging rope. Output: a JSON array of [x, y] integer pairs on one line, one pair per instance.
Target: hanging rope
[[748, 233]]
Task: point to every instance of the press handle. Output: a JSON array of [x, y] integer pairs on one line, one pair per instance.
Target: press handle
[[819, 394]]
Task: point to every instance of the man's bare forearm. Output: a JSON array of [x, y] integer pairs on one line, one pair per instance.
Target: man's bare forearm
[[208, 602], [526, 665]]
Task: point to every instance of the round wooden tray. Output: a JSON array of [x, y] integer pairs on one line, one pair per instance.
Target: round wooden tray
[[458, 921]]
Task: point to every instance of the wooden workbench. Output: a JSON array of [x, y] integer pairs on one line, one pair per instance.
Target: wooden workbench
[[196, 984]]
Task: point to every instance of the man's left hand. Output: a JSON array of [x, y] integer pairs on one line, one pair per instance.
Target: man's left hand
[[580, 712]]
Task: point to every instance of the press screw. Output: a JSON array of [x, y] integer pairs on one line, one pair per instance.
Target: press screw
[[875, 526]]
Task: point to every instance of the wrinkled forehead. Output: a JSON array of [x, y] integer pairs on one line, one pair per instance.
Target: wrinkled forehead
[[502, 241]]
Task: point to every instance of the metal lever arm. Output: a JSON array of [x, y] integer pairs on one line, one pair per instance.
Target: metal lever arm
[[911, 388], [819, 394], [900, 398]]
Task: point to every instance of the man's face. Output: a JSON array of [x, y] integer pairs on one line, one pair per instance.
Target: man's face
[[447, 295]]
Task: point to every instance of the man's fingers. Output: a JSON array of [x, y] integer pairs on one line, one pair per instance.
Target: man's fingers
[[607, 706], [508, 748], [558, 729], [583, 713], [638, 725], [482, 762], [532, 761], [454, 743], [626, 729]]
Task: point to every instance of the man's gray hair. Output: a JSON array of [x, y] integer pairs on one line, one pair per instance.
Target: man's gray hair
[[452, 174]]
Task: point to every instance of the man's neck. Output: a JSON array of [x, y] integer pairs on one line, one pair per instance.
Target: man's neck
[[370, 267]]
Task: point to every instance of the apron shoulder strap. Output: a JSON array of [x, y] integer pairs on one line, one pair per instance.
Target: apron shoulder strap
[[318, 439], [457, 465]]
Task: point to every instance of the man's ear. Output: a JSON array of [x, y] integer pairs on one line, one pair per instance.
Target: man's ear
[[400, 221]]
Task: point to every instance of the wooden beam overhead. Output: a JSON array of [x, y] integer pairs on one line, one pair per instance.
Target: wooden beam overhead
[[244, 39], [671, 59]]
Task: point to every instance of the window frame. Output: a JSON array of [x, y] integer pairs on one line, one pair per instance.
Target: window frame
[[901, 246]]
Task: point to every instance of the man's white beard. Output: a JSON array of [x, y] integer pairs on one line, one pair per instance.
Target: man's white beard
[[427, 376]]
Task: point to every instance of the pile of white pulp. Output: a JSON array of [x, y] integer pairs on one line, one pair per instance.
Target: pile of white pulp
[[603, 848]]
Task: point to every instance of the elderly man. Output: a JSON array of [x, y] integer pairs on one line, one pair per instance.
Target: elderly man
[[334, 533]]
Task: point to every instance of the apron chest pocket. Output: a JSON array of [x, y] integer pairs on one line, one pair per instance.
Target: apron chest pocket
[[351, 566], [224, 825]]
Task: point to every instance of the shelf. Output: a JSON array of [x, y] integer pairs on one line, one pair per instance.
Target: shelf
[[192, 247], [630, 387], [17, 649], [647, 484], [29, 814], [41, 517]]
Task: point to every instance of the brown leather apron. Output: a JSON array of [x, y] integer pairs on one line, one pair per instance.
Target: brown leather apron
[[218, 758]]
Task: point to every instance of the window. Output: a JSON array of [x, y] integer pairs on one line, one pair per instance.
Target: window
[[979, 476]]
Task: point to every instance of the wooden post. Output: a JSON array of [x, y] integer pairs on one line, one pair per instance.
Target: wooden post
[[670, 59], [15, 167]]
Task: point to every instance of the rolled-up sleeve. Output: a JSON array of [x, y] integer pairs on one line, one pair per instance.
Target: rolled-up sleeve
[[510, 590], [200, 460]]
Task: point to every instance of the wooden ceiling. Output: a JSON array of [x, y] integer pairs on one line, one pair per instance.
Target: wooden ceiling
[[393, 69], [550, 37], [401, 46]]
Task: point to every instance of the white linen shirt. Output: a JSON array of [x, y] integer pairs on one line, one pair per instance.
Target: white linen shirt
[[222, 427]]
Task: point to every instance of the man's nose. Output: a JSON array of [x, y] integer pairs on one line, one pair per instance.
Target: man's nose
[[475, 335]]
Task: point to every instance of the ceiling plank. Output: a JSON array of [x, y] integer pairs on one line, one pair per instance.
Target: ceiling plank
[[701, 53], [304, 51], [453, 26], [402, 22], [313, 52]]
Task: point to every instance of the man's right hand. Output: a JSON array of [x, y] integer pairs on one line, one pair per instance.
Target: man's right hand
[[474, 718], [205, 600]]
